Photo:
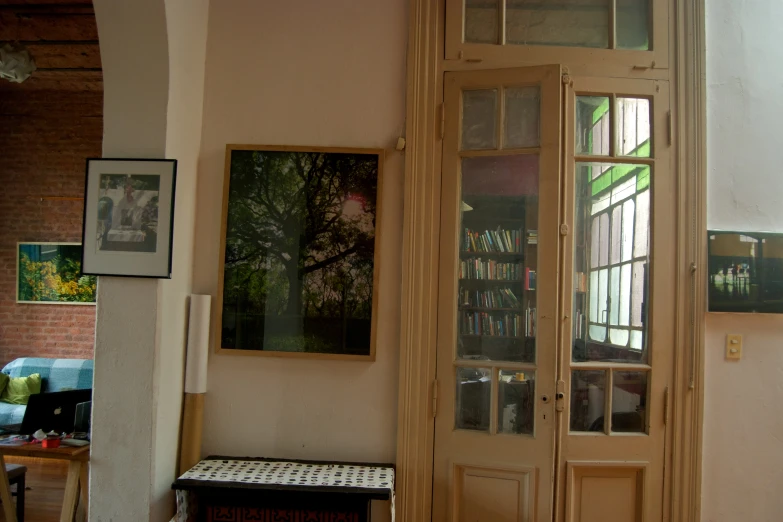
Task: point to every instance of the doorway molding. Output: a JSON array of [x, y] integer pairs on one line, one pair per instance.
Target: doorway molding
[[421, 220]]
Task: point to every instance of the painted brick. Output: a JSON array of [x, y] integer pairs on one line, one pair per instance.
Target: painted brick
[[45, 136]]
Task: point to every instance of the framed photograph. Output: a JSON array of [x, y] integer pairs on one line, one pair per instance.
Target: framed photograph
[[745, 271], [51, 273], [129, 217], [299, 259]]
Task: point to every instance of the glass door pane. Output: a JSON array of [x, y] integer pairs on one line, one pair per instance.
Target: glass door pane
[[498, 258], [611, 263]]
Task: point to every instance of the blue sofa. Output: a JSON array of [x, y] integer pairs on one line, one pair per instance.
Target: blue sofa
[[56, 375]]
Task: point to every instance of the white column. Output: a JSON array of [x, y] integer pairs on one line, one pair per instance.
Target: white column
[[134, 57]]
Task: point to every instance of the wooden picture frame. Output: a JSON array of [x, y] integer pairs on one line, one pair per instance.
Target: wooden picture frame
[[271, 194]]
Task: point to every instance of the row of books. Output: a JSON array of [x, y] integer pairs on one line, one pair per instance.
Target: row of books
[[496, 324], [478, 268], [492, 241], [497, 298], [492, 324]]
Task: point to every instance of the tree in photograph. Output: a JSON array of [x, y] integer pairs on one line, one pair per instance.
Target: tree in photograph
[[306, 211]]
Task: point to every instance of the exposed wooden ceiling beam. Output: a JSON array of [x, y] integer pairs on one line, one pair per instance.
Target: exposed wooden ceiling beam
[[52, 9], [62, 38], [46, 3], [65, 55], [83, 80], [45, 26]]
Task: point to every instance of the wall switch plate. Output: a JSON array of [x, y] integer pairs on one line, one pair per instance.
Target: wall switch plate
[[734, 347]]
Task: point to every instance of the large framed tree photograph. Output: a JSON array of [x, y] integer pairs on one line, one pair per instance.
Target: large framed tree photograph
[[299, 258]]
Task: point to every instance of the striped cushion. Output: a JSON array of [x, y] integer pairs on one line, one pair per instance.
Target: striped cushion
[[57, 374], [11, 413]]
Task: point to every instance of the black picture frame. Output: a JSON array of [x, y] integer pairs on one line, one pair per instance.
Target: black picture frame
[[744, 272], [128, 220]]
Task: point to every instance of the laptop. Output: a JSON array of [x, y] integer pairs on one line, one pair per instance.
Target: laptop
[[54, 411], [81, 424]]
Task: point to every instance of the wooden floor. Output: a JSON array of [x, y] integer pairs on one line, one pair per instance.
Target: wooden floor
[[46, 486]]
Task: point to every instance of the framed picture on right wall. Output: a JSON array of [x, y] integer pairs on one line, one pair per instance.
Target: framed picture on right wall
[[745, 272]]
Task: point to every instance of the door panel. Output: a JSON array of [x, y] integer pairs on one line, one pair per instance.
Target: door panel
[[497, 327], [601, 492], [617, 293], [494, 494]]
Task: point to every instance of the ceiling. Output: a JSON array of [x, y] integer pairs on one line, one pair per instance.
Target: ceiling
[[62, 38]]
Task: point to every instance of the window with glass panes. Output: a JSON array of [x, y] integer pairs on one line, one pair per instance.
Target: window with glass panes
[[613, 176]]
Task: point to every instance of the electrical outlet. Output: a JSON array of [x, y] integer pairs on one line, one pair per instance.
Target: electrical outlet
[[734, 347]]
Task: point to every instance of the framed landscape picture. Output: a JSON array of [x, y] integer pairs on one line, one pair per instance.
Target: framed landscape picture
[[299, 261], [50, 273], [129, 217], [745, 271]]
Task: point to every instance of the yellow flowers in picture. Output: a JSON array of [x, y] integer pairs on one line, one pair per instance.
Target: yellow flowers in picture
[[51, 273]]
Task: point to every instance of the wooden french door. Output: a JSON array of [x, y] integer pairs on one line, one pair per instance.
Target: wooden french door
[[554, 355], [497, 326], [618, 295]]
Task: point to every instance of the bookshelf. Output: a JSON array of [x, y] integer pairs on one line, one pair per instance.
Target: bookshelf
[[497, 277]]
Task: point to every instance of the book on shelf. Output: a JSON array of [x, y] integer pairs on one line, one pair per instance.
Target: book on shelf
[[489, 324], [530, 322], [580, 282], [579, 319], [500, 240], [489, 269], [530, 279], [495, 298]]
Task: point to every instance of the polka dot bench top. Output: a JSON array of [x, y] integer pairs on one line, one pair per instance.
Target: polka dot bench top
[[284, 473]]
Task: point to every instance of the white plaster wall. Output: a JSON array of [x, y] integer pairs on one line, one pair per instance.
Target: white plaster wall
[[135, 97], [743, 425], [186, 22], [304, 73]]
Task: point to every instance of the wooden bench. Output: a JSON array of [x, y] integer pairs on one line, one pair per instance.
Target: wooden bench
[[234, 488]]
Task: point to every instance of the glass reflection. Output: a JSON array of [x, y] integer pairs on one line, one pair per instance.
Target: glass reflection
[[611, 262], [516, 404]]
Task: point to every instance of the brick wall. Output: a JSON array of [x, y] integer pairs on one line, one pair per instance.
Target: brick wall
[[45, 137]]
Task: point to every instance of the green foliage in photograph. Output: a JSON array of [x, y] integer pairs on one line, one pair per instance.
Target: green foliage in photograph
[[300, 245], [53, 273]]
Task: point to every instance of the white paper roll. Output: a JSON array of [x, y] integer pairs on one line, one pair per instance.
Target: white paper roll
[[198, 344]]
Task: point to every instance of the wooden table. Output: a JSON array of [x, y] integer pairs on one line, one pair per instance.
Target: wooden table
[[78, 458]]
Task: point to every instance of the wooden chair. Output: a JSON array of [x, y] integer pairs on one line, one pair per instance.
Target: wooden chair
[[16, 475]]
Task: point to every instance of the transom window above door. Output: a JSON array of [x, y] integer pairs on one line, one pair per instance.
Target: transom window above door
[[601, 24], [615, 32]]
